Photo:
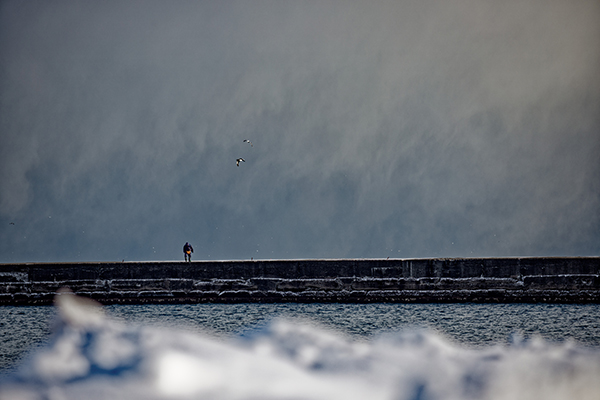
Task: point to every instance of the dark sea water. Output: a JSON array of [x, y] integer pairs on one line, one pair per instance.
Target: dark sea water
[[24, 329]]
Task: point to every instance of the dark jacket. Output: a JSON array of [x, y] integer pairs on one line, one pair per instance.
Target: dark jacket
[[187, 247]]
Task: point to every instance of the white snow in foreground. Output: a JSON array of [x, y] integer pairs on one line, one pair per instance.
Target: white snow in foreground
[[94, 357]]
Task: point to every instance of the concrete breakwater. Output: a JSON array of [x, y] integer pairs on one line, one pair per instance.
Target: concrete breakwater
[[528, 279]]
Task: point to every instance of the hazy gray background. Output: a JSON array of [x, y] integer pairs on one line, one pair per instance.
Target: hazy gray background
[[402, 128]]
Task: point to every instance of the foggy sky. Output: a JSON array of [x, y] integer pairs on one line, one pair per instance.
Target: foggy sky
[[442, 128]]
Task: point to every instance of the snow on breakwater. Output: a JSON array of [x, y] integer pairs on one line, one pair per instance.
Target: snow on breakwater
[[95, 357], [529, 279]]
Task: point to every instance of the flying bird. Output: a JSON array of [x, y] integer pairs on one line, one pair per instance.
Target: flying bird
[[247, 141], [11, 223], [237, 162]]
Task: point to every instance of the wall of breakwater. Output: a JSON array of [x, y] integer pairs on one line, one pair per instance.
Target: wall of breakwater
[[529, 279]]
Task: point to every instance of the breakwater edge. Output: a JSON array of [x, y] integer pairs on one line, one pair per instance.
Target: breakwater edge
[[511, 279]]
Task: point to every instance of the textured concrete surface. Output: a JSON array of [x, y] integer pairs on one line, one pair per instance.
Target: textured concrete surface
[[530, 279]]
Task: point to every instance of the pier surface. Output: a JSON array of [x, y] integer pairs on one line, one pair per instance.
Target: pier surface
[[513, 279]]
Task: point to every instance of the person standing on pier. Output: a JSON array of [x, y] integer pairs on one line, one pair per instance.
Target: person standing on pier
[[187, 252]]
